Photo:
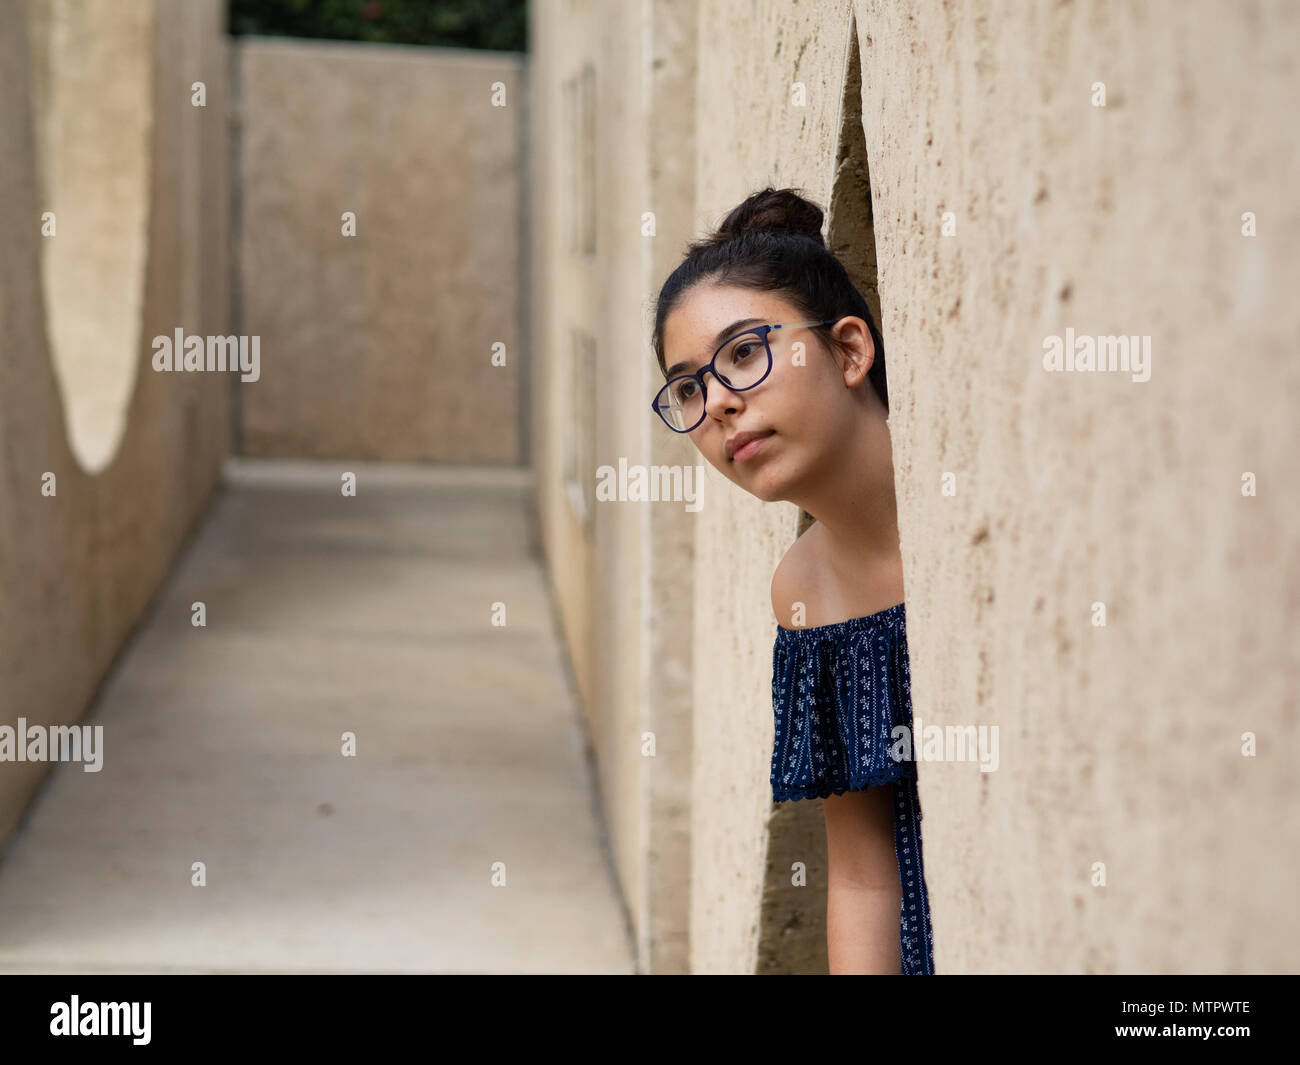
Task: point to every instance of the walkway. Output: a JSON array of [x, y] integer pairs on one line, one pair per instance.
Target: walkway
[[329, 614]]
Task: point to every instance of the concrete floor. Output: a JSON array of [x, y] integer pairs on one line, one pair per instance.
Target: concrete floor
[[328, 614]]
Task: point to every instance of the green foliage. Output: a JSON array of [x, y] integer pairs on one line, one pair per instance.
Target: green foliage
[[498, 25]]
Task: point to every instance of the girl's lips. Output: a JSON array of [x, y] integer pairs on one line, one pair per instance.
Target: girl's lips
[[746, 451]]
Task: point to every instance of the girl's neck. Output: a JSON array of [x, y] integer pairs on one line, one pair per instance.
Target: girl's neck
[[853, 498]]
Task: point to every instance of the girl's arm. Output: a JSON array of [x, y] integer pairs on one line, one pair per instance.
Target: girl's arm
[[864, 892]]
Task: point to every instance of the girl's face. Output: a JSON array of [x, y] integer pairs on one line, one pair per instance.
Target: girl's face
[[802, 407]]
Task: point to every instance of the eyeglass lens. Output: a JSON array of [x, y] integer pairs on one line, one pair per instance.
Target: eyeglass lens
[[741, 364]]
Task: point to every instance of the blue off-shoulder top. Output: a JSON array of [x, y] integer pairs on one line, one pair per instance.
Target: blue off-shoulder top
[[838, 692]]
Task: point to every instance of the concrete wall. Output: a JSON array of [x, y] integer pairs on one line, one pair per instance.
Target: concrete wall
[[592, 179], [1122, 744], [1119, 744], [381, 345], [79, 566]]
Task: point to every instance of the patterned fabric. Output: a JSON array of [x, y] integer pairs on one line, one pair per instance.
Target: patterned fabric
[[838, 691]]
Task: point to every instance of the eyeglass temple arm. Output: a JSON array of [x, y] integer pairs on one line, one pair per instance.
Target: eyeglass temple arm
[[804, 325]]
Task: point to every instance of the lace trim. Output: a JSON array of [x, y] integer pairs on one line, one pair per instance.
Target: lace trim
[[785, 793]]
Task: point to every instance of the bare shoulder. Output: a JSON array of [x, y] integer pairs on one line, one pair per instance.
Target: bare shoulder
[[793, 581]]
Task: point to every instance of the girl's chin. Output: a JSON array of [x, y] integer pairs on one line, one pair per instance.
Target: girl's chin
[[768, 489]]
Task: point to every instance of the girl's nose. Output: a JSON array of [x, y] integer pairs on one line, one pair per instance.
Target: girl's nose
[[719, 398]]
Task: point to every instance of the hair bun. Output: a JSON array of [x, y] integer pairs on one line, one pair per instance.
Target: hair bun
[[772, 211]]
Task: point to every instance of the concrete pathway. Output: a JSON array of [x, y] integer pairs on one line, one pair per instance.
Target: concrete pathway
[[325, 615]]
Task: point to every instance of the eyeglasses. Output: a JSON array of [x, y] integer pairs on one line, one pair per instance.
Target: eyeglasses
[[738, 364]]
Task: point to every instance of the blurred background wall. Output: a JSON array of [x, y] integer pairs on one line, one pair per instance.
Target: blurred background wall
[[106, 465], [609, 164], [379, 249]]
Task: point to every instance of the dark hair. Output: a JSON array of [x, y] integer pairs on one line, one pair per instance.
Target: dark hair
[[773, 243]]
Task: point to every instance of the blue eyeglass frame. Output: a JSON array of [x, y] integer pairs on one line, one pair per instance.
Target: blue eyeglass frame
[[762, 331]]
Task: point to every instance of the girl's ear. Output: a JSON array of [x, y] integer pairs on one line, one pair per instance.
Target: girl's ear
[[858, 350]]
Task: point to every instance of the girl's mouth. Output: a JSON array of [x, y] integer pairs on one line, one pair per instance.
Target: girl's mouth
[[746, 451]]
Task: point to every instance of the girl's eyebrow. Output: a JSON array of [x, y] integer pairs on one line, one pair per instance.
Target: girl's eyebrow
[[723, 334]]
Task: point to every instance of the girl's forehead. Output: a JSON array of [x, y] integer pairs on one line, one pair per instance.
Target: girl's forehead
[[706, 309]]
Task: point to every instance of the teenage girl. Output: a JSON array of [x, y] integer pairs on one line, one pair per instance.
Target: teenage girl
[[774, 367]]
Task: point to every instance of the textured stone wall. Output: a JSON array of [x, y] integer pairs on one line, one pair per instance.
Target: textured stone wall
[[1120, 744]]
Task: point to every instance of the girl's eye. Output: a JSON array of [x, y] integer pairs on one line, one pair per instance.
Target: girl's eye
[[743, 350], [684, 391]]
